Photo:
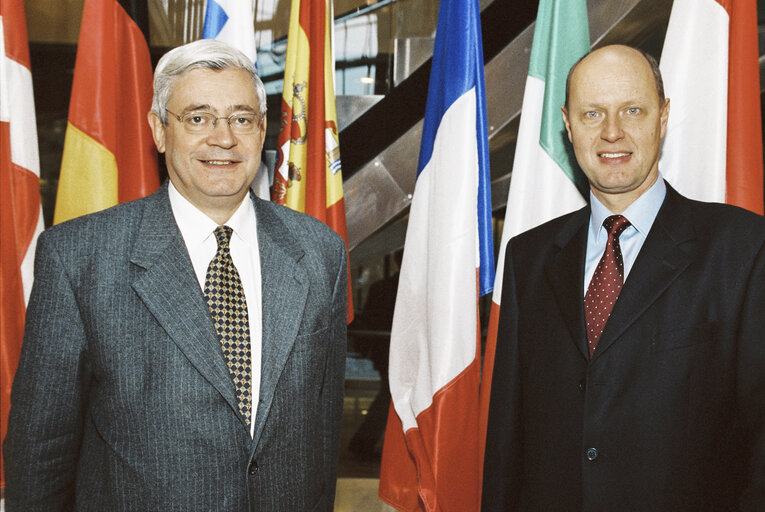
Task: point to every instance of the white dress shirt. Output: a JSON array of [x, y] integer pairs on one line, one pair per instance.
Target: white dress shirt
[[197, 231]]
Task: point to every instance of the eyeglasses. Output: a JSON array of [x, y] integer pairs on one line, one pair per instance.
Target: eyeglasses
[[242, 123]]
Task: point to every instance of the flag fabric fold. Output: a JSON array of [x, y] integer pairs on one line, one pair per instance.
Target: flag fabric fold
[[308, 176], [546, 181], [109, 154], [20, 211], [431, 453], [713, 147]]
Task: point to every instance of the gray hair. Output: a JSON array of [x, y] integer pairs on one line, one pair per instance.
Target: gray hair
[[201, 54]]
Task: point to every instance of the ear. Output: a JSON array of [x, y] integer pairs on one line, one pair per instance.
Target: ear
[[263, 131], [157, 130], [664, 117], [564, 113]]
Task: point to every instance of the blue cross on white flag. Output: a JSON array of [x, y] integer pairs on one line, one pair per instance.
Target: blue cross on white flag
[[233, 22]]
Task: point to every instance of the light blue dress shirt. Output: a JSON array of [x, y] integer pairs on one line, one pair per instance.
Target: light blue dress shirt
[[641, 215]]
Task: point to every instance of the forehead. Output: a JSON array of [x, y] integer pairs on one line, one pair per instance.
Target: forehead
[[220, 90], [613, 75]]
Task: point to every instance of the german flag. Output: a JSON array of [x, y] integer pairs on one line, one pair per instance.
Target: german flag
[[109, 155], [308, 174]]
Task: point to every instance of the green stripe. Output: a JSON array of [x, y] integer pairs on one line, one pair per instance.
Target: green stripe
[[561, 37]]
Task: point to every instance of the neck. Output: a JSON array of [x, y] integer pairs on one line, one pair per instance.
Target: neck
[[220, 214], [617, 203]]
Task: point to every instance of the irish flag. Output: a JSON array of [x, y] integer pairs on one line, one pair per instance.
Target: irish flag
[[431, 456], [546, 181], [20, 212], [713, 147], [308, 175], [109, 155]]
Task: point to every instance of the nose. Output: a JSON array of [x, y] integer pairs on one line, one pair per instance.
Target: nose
[[221, 134], [612, 129]]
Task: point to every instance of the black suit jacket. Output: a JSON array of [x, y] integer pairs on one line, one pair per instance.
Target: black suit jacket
[[669, 414]]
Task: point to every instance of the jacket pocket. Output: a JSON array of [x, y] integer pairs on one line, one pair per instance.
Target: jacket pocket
[[683, 337]]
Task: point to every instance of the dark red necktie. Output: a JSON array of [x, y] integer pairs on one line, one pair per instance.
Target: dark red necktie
[[606, 283]]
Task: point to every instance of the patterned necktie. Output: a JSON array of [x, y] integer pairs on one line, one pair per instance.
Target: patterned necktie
[[606, 283], [228, 307]]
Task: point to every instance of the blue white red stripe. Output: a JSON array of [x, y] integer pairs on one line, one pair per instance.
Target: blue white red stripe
[[431, 453]]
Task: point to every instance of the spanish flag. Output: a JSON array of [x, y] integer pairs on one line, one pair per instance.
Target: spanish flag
[[308, 174], [109, 155]]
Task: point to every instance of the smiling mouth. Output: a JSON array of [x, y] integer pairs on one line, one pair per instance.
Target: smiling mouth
[[614, 155], [219, 162]]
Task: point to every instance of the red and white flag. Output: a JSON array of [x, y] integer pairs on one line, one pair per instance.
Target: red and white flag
[[713, 147], [20, 212]]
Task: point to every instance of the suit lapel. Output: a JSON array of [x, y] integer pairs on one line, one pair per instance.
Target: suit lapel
[[565, 272], [666, 253], [285, 290], [170, 290]]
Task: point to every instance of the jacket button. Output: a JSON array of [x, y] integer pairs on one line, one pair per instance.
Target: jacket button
[[582, 385], [591, 454], [253, 468]]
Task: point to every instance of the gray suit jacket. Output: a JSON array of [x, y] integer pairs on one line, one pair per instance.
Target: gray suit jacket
[[122, 400]]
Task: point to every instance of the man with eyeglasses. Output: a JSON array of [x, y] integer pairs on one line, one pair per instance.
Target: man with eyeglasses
[[185, 351]]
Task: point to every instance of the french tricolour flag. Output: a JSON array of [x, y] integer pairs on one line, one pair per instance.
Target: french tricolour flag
[[431, 455]]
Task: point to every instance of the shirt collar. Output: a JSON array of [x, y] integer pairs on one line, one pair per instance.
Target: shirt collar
[[243, 222], [641, 213], [196, 227]]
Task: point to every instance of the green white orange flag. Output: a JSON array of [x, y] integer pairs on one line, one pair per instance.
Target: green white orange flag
[[109, 155], [20, 212], [546, 181], [713, 147], [308, 175]]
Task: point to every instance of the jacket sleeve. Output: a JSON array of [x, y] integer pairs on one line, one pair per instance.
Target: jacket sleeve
[[334, 379], [502, 459], [751, 385], [49, 393]]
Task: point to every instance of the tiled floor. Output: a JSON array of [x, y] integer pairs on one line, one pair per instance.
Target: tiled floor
[[358, 477], [359, 495]]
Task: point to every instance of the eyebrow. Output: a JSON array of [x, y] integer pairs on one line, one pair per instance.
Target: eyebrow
[[234, 108], [193, 108], [637, 102], [246, 108]]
